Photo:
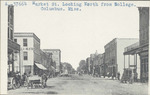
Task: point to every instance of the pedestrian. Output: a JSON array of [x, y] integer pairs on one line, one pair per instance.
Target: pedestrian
[[25, 79], [135, 76], [112, 76], [118, 75], [132, 77], [19, 79], [44, 79]]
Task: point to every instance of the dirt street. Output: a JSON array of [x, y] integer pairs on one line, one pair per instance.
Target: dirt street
[[86, 85]]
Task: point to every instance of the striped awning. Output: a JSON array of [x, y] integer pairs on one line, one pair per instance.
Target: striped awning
[[40, 66]]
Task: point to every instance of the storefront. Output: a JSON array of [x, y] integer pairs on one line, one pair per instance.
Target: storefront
[[140, 55], [39, 69], [144, 64], [13, 48]]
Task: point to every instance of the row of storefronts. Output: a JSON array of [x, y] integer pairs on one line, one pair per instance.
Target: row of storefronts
[[25, 54], [140, 49], [123, 54], [13, 47]]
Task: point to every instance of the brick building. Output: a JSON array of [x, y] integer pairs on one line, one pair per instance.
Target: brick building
[[114, 57], [30, 50], [13, 47], [56, 57]]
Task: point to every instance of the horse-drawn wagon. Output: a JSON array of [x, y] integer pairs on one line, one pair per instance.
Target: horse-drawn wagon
[[36, 81]]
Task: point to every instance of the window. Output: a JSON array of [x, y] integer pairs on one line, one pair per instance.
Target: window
[[25, 55], [27, 69], [15, 56], [8, 33], [11, 34], [15, 40], [24, 42]]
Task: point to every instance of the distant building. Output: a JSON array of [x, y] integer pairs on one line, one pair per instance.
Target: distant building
[[56, 56], [96, 61], [30, 50], [88, 65], [13, 47], [46, 60], [101, 61], [92, 63], [114, 58]]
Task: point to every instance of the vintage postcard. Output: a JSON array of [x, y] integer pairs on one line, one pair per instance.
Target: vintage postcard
[[74, 47]]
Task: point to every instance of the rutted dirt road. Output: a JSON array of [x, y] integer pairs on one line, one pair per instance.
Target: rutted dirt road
[[85, 85]]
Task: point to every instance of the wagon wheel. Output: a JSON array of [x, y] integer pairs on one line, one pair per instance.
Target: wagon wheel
[[13, 83], [18, 84]]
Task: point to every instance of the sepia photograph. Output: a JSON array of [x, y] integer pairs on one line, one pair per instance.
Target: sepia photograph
[[75, 47]]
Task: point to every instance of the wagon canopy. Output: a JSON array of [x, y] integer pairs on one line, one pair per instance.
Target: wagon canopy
[[40, 66]]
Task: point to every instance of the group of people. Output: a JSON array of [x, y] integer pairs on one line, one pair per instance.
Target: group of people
[[24, 79], [17, 79], [130, 76], [114, 75]]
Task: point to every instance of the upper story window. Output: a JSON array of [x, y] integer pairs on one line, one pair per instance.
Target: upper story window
[[10, 33], [25, 42]]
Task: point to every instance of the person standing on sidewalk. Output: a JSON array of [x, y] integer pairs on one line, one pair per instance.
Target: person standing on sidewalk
[[44, 79], [135, 76], [25, 79], [118, 75], [132, 78]]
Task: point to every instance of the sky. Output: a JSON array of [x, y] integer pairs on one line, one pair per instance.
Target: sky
[[78, 34]]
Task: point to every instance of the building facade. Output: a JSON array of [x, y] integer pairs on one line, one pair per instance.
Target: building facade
[[101, 62], [114, 57], [140, 49], [13, 47], [46, 59], [30, 51], [56, 57], [132, 51], [96, 64], [92, 63], [144, 42]]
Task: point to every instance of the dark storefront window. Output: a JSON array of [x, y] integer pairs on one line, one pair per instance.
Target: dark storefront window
[[27, 69], [11, 34], [25, 55]]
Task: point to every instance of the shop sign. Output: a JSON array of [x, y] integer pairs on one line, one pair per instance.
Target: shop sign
[[27, 48]]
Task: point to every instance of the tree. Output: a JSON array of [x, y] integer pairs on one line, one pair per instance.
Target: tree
[[82, 67], [68, 67]]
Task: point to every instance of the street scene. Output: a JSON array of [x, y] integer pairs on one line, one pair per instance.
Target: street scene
[[86, 85], [60, 56]]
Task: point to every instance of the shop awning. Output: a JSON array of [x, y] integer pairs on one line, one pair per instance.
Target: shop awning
[[13, 46], [40, 66], [52, 67]]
